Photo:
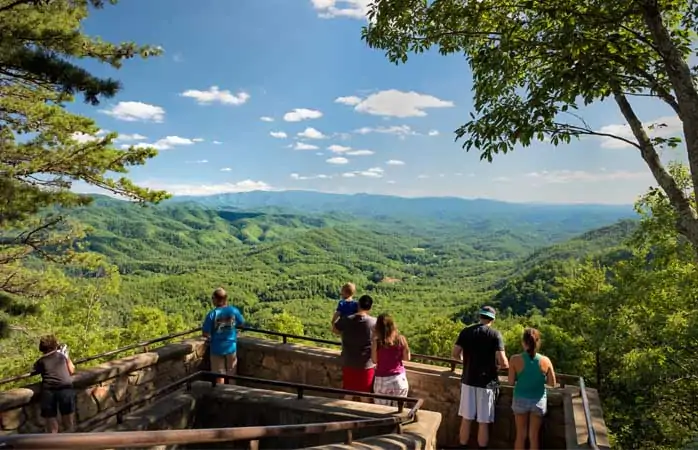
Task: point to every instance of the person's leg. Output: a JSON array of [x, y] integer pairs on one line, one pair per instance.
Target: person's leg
[[467, 411], [521, 419], [367, 376], [484, 400], [231, 365], [66, 406], [535, 422], [381, 386], [348, 382], [218, 366], [49, 410]]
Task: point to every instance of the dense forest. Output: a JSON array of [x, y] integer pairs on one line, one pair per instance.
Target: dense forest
[[155, 267]]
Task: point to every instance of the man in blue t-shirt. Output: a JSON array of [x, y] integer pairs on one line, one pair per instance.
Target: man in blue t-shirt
[[220, 329]]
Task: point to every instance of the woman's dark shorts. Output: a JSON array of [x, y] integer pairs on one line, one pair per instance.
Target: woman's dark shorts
[[55, 400]]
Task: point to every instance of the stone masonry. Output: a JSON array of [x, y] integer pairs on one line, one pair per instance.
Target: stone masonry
[[113, 384]]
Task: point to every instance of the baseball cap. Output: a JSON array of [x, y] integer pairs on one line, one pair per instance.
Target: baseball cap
[[487, 311]]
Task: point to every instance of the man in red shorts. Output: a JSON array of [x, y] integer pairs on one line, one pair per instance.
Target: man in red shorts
[[356, 330]]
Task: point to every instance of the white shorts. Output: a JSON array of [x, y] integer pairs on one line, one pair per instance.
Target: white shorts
[[476, 403]]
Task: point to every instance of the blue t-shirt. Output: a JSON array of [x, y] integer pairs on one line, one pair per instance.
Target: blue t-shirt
[[220, 324], [347, 308]]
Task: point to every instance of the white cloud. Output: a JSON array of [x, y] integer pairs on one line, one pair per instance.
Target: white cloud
[[304, 146], [311, 133], [216, 142], [360, 152], [266, 119], [82, 138], [136, 112], [342, 149], [298, 114], [352, 100], [353, 9], [397, 130], [394, 103], [581, 176], [337, 160], [199, 161], [390, 181], [395, 162], [165, 143], [207, 189], [433, 132], [130, 137], [299, 177], [422, 177], [334, 148], [226, 169], [215, 95], [667, 126], [278, 134], [374, 172]]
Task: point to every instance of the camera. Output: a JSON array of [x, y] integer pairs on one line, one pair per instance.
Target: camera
[[63, 348]]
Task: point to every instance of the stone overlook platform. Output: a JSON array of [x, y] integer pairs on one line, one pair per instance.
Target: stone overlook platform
[[286, 396]]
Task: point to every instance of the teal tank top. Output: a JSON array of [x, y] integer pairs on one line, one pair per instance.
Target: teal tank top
[[530, 382]]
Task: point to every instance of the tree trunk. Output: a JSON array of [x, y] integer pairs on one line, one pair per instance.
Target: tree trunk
[[687, 222], [681, 79]]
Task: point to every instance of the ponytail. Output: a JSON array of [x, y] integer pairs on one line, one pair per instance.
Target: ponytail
[[531, 340]]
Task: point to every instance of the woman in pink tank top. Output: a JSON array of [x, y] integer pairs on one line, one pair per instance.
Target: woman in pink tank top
[[388, 351]]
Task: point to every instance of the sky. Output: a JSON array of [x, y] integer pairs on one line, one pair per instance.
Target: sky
[[284, 95]]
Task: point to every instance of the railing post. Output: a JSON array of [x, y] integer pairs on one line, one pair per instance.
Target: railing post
[[453, 367], [285, 339], [350, 438], [119, 418], [300, 393], [398, 428], [400, 406], [254, 444]]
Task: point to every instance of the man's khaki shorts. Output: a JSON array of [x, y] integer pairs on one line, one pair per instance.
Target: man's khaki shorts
[[226, 364]]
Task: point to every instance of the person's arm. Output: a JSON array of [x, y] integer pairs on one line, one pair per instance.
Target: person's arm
[[457, 352], [239, 320], [406, 355], [70, 365], [502, 362], [206, 328], [335, 318], [338, 325], [374, 350], [512, 370], [550, 378]]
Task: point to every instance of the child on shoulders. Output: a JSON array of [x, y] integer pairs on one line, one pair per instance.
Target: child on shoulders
[[347, 306]]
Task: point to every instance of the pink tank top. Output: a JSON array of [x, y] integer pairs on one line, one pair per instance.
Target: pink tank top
[[390, 361]]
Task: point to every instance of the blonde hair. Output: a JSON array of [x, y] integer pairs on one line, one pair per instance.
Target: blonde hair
[[220, 297], [348, 290]]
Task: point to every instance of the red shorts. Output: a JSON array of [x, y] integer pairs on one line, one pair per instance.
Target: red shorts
[[354, 379]]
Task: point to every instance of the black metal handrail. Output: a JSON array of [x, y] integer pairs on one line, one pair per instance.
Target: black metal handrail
[[120, 439], [286, 336]]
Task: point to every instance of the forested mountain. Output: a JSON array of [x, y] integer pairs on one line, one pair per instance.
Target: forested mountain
[[475, 213], [283, 267]]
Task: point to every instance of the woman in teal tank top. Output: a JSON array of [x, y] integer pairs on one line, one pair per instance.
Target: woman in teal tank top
[[529, 372]]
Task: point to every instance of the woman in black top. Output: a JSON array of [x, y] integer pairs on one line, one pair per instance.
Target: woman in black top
[[57, 395]]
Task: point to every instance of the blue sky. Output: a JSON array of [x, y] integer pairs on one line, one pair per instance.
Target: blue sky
[[283, 94]]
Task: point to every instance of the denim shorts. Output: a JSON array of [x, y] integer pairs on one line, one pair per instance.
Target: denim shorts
[[522, 405]]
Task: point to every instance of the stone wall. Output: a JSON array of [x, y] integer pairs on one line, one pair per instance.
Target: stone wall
[[106, 386], [439, 387], [103, 388]]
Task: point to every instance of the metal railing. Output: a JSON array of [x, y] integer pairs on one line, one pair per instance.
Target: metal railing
[[563, 379], [121, 439]]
